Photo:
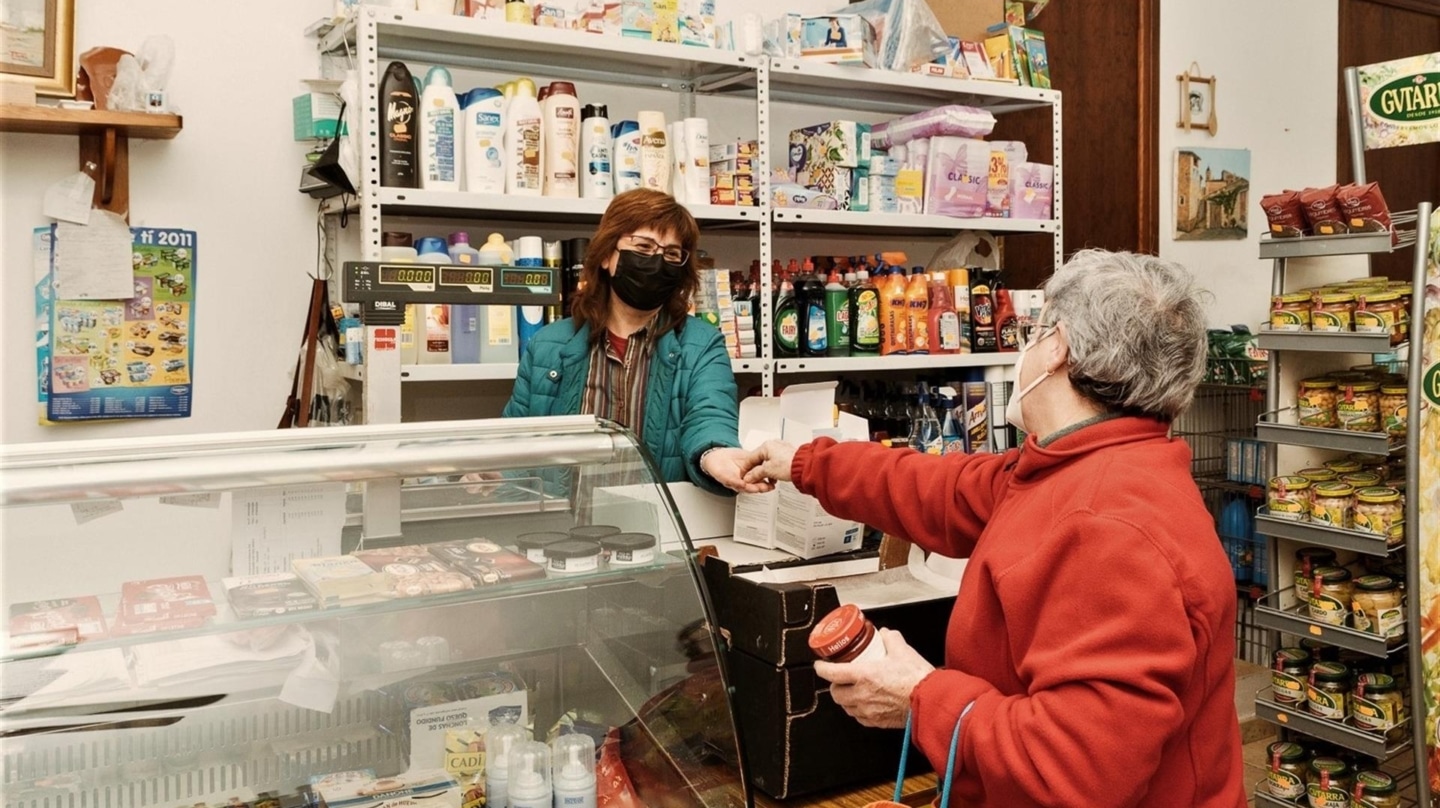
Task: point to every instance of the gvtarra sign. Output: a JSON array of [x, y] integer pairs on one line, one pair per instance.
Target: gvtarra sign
[[1401, 101]]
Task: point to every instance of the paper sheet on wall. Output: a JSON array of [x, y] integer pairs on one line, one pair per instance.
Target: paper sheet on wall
[[270, 527], [94, 261]]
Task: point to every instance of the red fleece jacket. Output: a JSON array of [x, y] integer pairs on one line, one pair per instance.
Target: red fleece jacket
[[1094, 629]]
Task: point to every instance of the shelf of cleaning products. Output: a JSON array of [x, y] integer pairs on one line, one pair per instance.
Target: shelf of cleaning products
[[1295, 620], [845, 221], [504, 207], [1316, 246], [1332, 341], [1273, 430], [860, 88], [488, 44], [855, 364], [1373, 744], [1323, 536]]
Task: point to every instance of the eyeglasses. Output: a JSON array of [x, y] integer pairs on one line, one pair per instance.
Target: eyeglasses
[[647, 246], [1040, 331]]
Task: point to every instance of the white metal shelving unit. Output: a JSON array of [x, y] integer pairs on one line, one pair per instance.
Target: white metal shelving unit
[[379, 36]]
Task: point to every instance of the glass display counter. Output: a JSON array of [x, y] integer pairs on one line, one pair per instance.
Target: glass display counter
[[281, 617]]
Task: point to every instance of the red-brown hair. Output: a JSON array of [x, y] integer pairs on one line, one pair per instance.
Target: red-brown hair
[[628, 212]]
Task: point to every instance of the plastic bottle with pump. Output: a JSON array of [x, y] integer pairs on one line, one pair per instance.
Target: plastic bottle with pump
[[524, 128], [497, 323], [864, 315], [398, 104], [562, 141], [484, 132], [439, 127], [596, 179], [529, 782], [837, 314], [500, 743], [787, 321], [894, 314], [530, 253], [810, 306], [944, 322], [917, 304], [574, 765]]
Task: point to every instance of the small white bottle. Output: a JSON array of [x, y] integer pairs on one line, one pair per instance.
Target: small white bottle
[[655, 159], [524, 129], [574, 775], [500, 743], [498, 343], [529, 782], [439, 127], [484, 141], [596, 149], [562, 141]]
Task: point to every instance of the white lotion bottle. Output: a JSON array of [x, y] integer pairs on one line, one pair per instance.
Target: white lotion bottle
[[625, 143], [679, 177], [574, 771], [562, 141], [439, 125], [523, 132], [484, 141], [529, 781], [654, 154], [596, 150], [500, 743]]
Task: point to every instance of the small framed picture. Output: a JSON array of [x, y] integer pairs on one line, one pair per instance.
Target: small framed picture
[[37, 45], [1197, 101]]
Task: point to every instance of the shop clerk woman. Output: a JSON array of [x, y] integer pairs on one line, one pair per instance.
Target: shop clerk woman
[[630, 352]]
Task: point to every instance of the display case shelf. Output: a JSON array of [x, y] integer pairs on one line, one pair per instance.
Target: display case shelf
[[855, 364], [860, 88], [1356, 740], [1317, 246], [1326, 341], [1323, 535], [808, 220], [1274, 430], [1295, 622]]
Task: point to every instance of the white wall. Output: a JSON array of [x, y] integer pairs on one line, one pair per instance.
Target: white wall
[[1277, 69]]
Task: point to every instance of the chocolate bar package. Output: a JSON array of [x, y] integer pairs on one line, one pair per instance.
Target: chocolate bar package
[[269, 594], [486, 562]]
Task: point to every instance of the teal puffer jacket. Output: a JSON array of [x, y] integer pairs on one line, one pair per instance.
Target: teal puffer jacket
[[689, 399]]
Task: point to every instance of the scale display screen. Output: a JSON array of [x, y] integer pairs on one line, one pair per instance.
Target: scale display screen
[[478, 279], [391, 275], [527, 278], [398, 285]]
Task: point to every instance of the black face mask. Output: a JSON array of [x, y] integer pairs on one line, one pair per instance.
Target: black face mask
[[645, 282]]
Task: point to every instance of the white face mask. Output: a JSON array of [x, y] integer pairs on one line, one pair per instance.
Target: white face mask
[[1014, 415]]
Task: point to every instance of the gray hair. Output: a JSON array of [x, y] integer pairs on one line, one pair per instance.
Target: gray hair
[[1136, 327]]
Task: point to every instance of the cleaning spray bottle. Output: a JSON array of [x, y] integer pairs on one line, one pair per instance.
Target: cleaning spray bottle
[[500, 743], [529, 784], [497, 323], [484, 141], [439, 124], [837, 314], [523, 132], [574, 762]]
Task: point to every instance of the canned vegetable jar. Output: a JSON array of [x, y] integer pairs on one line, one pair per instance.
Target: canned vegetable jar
[[1290, 312], [1316, 401], [1376, 790], [1380, 510], [1285, 775], [1394, 409], [1349, 465], [1329, 690], [1307, 560], [1376, 704], [1289, 498], [1378, 606], [1357, 407], [1332, 504], [1379, 313], [1289, 675], [1328, 783], [1362, 479], [1332, 593], [1333, 311], [1317, 475]]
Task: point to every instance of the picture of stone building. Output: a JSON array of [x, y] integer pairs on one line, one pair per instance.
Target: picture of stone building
[[1212, 193]]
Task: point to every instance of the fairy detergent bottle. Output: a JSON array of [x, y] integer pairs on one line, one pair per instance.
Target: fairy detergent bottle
[[787, 322]]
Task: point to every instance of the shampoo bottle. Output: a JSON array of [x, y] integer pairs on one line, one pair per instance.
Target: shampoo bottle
[[597, 181], [500, 742], [433, 338], [917, 305], [497, 323], [439, 123], [837, 315], [397, 127], [562, 141], [574, 762], [654, 152], [625, 135], [529, 782], [523, 131], [864, 315], [484, 141]]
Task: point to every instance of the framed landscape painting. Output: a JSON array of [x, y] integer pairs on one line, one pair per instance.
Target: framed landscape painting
[[37, 44]]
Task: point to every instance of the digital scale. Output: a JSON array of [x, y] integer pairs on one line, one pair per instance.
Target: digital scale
[[384, 290]]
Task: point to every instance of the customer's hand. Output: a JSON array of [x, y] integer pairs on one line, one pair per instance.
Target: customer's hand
[[727, 466], [769, 464], [489, 477], [877, 694]]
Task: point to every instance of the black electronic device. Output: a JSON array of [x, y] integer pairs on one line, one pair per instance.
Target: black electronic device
[[384, 287]]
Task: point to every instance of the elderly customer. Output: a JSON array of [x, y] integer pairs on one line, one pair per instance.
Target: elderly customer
[[1089, 659]]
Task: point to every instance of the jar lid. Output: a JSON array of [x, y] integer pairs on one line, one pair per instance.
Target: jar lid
[[1335, 767], [1375, 583], [1293, 297], [1331, 575], [1395, 389], [1362, 479], [572, 548], [837, 630], [1288, 751], [1317, 475], [1376, 683], [1336, 297], [1315, 554], [1363, 387], [1386, 296], [1299, 483], [1403, 287], [1347, 375], [1291, 657], [1361, 457], [1330, 671], [1343, 466], [1378, 494], [1334, 489], [1374, 782], [1319, 383], [539, 540], [628, 541], [593, 532]]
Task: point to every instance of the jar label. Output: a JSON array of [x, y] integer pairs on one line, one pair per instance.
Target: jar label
[[1395, 422], [1284, 784], [1286, 320], [1287, 688], [1373, 715], [1331, 797], [1326, 704], [1287, 507], [1391, 623], [1357, 415], [1317, 411], [1328, 609], [1330, 321], [1330, 512], [1370, 321]]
